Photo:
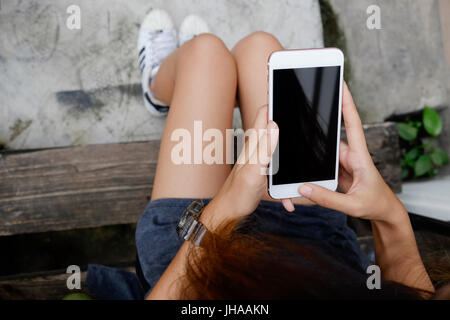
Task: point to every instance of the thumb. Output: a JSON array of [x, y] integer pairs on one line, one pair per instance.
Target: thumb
[[327, 198], [268, 143]]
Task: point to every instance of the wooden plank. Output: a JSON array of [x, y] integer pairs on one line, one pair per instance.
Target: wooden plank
[[97, 185], [55, 250], [45, 287], [79, 187], [49, 286]]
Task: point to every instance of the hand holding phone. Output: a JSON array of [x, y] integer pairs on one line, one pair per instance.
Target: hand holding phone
[[366, 195], [247, 182]]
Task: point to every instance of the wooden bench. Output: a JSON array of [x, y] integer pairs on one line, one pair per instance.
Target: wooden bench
[[103, 185], [96, 185]]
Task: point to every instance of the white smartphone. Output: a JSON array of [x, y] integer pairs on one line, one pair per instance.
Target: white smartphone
[[305, 100]]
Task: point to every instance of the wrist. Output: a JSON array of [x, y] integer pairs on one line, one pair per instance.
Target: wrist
[[393, 211], [215, 214], [395, 227]]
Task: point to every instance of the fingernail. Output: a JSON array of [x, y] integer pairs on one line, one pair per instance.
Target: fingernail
[[271, 128], [271, 125], [305, 191]]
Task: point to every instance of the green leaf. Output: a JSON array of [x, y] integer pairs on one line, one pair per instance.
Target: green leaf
[[403, 163], [77, 296], [405, 173], [433, 172], [414, 153], [407, 161], [423, 165], [432, 121], [439, 157], [406, 131]]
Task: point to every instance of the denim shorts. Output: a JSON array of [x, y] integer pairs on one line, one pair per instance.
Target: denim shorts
[[157, 241]]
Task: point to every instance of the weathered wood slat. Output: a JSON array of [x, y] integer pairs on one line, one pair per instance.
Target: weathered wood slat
[[79, 187], [97, 185], [44, 287], [55, 250]]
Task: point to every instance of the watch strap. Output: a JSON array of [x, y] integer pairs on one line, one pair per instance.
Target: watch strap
[[196, 232]]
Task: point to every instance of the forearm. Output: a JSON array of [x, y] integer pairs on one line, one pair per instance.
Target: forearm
[[167, 287], [396, 251]]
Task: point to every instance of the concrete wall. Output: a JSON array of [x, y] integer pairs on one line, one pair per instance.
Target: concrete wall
[[400, 67], [444, 6], [61, 87]]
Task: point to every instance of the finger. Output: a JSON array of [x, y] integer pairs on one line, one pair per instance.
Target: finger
[[260, 121], [252, 136], [343, 146], [271, 140], [327, 198], [266, 146], [343, 152], [261, 138], [288, 205], [252, 144], [352, 122]]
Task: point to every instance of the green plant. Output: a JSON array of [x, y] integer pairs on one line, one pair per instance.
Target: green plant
[[77, 296], [420, 155]]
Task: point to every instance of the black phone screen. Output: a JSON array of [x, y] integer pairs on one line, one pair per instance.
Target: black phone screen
[[305, 107]]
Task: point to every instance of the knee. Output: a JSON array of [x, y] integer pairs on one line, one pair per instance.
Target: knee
[[207, 45], [209, 52], [262, 39], [259, 40]]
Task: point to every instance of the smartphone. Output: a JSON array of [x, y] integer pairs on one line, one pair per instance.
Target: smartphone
[[305, 100]]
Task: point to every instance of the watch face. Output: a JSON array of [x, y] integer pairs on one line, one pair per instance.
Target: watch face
[[196, 208]]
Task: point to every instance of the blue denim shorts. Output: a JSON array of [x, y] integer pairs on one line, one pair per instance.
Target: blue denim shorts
[[157, 241]]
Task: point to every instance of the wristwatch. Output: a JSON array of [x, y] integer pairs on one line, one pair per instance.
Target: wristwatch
[[189, 228]]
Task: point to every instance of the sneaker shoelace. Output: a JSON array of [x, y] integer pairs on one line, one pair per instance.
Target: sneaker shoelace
[[157, 46]]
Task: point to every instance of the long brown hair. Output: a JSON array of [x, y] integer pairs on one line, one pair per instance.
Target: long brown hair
[[236, 265]]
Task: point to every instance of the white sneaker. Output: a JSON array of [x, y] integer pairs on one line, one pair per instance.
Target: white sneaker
[[157, 39], [191, 26]]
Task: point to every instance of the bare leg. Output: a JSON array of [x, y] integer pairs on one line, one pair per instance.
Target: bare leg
[[198, 81], [251, 55], [163, 84]]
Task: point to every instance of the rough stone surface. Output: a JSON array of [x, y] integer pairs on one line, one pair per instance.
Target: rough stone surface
[[401, 67], [61, 87]]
